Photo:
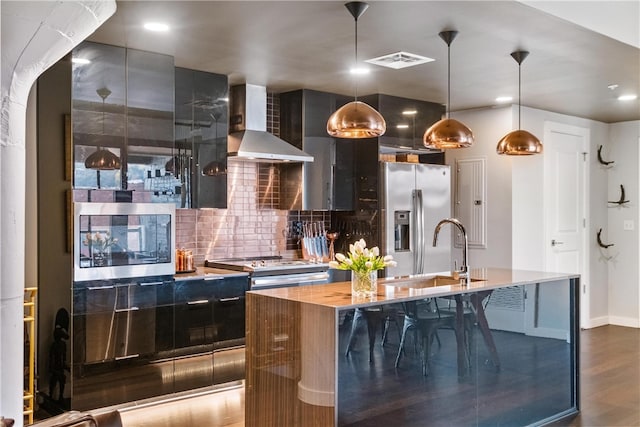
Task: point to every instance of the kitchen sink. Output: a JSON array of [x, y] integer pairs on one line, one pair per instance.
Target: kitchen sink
[[427, 281]]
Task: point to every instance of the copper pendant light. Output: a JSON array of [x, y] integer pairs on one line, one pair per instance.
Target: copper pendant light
[[448, 133], [356, 119], [519, 142], [102, 159]]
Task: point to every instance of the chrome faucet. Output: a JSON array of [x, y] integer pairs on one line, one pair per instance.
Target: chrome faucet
[[463, 273]]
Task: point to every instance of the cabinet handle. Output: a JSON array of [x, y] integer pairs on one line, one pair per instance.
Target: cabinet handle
[[554, 242], [229, 299], [200, 301], [130, 356], [213, 278], [97, 288], [120, 310], [151, 283]]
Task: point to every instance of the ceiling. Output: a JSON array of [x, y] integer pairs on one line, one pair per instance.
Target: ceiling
[[310, 44]]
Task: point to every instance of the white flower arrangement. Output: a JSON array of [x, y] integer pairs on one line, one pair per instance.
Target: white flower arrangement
[[98, 242], [362, 260]]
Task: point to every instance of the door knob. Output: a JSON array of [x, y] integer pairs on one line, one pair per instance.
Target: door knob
[[554, 242]]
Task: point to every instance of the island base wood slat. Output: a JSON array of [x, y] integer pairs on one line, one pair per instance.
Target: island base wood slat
[[277, 366]]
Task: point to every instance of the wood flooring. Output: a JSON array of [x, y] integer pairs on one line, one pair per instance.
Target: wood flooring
[[610, 376], [610, 381]]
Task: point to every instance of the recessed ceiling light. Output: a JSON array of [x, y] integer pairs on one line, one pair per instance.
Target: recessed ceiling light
[[627, 97], [359, 70], [502, 99], [402, 126], [80, 61], [156, 26], [410, 112], [399, 60]]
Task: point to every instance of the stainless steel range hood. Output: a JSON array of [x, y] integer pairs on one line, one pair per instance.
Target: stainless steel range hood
[[249, 139]]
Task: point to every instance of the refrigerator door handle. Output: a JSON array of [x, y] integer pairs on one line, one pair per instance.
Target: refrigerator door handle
[[421, 239], [418, 237], [414, 230]]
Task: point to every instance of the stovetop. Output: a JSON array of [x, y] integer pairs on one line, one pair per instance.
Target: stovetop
[[270, 264]]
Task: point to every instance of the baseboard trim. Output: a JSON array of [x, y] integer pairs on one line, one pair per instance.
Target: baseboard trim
[[624, 321], [596, 322]]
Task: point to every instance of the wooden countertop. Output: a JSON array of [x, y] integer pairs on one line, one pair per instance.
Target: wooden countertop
[[407, 288]]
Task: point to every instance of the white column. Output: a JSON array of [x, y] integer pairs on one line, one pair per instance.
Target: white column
[[34, 36], [318, 370]]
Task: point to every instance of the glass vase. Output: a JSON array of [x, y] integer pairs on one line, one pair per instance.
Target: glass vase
[[364, 284], [100, 259]]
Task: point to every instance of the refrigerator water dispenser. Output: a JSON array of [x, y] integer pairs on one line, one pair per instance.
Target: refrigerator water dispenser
[[401, 230]]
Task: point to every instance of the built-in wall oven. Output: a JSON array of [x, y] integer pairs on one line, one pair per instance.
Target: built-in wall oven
[[275, 272], [115, 240]]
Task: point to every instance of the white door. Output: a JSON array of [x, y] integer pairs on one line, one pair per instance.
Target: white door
[[565, 198]]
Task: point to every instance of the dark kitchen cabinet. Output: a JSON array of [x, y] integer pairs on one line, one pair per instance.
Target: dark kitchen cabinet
[[170, 335], [113, 317], [328, 182], [209, 320], [201, 128], [123, 101], [210, 312], [120, 328], [98, 113], [407, 120], [356, 172], [150, 117]]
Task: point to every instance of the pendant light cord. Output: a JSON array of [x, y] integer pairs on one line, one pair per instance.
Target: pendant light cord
[[355, 66], [519, 92], [448, 79]]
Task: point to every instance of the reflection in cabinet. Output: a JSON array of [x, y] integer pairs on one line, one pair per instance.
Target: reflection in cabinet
[[328, 182], [150, 81], [201, 127], [407, 120], [113, 338], [209, 323], [170, 335], [98, 123], [123, 101]]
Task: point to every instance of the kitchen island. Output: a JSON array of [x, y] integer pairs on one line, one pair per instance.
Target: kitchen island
[[298, 373]]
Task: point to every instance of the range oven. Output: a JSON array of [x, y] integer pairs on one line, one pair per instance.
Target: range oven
[[275, 272]]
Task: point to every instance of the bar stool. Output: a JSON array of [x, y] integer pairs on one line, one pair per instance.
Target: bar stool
[[373, 316], [425, 320]]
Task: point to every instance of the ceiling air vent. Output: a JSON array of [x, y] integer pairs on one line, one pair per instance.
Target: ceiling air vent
[[399, 60]]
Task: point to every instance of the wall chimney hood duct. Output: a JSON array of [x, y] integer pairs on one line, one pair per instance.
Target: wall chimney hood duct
[[248, 139]]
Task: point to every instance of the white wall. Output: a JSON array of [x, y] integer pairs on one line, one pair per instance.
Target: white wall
[[598, 218], [515, 197], [528, 207], [624, 293], [488, 126]]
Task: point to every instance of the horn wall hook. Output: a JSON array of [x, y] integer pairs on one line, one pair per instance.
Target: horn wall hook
[[602, 245], [622, 200], [603, 162]]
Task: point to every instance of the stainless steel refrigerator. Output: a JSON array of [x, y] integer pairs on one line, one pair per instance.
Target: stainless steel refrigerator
[[414, 198]]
